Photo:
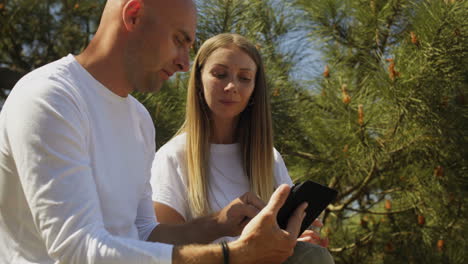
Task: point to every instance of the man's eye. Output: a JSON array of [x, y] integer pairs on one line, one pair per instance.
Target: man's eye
[[179, 41]]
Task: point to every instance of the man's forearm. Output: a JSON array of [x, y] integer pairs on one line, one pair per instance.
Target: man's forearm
[[210, 254], [199, 231]]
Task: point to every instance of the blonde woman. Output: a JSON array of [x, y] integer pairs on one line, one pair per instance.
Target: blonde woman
[[225, 146]]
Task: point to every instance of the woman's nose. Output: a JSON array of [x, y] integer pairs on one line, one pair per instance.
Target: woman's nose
[[231, 87]]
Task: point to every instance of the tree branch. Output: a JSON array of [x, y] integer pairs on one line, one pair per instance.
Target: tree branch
[[357, 189], [308, 156], [380, 213], [362, 241]]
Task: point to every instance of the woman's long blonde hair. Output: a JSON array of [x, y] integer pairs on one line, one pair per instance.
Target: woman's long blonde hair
[[254, 129]]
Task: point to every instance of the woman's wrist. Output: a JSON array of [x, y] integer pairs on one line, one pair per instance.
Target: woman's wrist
[[219, 227]]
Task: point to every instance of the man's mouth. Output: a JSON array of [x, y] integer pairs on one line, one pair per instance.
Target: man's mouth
[[166, 74]]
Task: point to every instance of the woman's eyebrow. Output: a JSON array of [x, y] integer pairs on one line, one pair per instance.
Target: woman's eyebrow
[[227, 67]]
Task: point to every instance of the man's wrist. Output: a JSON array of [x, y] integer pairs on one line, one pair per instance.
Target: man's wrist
[[238, 253], [225, 249]]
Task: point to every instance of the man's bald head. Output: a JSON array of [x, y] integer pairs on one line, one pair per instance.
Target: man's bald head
[[158, 8], [140, 43]]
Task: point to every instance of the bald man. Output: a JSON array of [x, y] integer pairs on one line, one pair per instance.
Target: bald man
[[76, 152]]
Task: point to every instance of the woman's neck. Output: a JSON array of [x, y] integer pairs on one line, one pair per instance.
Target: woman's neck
[[224, 131]]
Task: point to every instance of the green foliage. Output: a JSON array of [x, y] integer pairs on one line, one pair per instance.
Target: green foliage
[[404, 63], [401, 168], [37, 32]]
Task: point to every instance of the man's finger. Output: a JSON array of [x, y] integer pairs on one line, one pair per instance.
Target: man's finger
[[295, 221], [278, 198]]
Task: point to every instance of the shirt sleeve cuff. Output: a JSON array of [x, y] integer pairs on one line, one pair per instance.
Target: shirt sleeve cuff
[[165, 253], [148, 230]]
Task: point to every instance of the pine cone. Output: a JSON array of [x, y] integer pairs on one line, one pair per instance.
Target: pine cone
[[439, 171], [389, 247], [388, 205], [345, 148], [360, 115], [326, 72], [346, 98], [414, 38], [421, 220], [440, 245], [276, 92], [391, 70]]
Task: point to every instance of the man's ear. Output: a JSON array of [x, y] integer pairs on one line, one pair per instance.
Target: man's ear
[[131, 14]]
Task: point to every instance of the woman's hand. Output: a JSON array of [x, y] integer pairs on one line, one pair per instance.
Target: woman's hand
[[313, 236], [233, 218]]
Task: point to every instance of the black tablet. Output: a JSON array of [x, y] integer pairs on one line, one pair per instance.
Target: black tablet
[[316, 195]]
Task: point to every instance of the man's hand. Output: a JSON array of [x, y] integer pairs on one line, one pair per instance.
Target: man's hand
[[262, 240], [233, 218]]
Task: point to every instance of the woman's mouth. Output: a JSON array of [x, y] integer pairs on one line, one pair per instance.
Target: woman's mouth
[[227, 102]]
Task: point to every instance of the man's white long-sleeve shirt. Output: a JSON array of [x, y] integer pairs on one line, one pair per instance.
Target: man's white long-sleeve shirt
[[75, 163]]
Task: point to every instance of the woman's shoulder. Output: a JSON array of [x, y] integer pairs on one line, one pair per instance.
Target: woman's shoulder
[[277, 156], [174, 148], [280, 170]]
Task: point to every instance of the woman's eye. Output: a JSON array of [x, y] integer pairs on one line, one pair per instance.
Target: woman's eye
[[219, 75], [245, 79]]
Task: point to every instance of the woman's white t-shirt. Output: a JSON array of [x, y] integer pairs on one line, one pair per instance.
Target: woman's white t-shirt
[[227, 179]]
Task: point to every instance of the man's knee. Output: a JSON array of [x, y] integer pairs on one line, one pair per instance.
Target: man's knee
[[307, 253]]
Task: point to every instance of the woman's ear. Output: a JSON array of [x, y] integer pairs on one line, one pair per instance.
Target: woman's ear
[[131, 14]]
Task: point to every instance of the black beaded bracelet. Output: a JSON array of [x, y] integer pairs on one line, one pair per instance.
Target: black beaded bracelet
[[225, 248]]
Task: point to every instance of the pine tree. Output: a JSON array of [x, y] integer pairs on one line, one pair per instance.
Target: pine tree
[[389, 126], [34, 33], [385, 124]]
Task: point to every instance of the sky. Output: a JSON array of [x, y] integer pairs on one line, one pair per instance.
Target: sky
[[309, 63]]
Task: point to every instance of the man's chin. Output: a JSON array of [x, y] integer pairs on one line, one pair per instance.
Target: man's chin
[[152, 87], [155, 88]]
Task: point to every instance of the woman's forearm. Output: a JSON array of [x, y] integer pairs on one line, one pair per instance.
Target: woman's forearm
[[199, 231]]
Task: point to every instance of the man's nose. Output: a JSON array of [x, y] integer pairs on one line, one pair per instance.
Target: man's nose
[[183, 61]]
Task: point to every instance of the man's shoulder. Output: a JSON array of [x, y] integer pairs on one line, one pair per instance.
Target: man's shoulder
[[57, 71], [43, 91], [140, 108], [55, 79]]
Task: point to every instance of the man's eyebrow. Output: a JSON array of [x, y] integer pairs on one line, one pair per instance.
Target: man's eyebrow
[[187, 37]]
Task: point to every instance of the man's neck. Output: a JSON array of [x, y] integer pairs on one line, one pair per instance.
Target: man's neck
[[106, 68]]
